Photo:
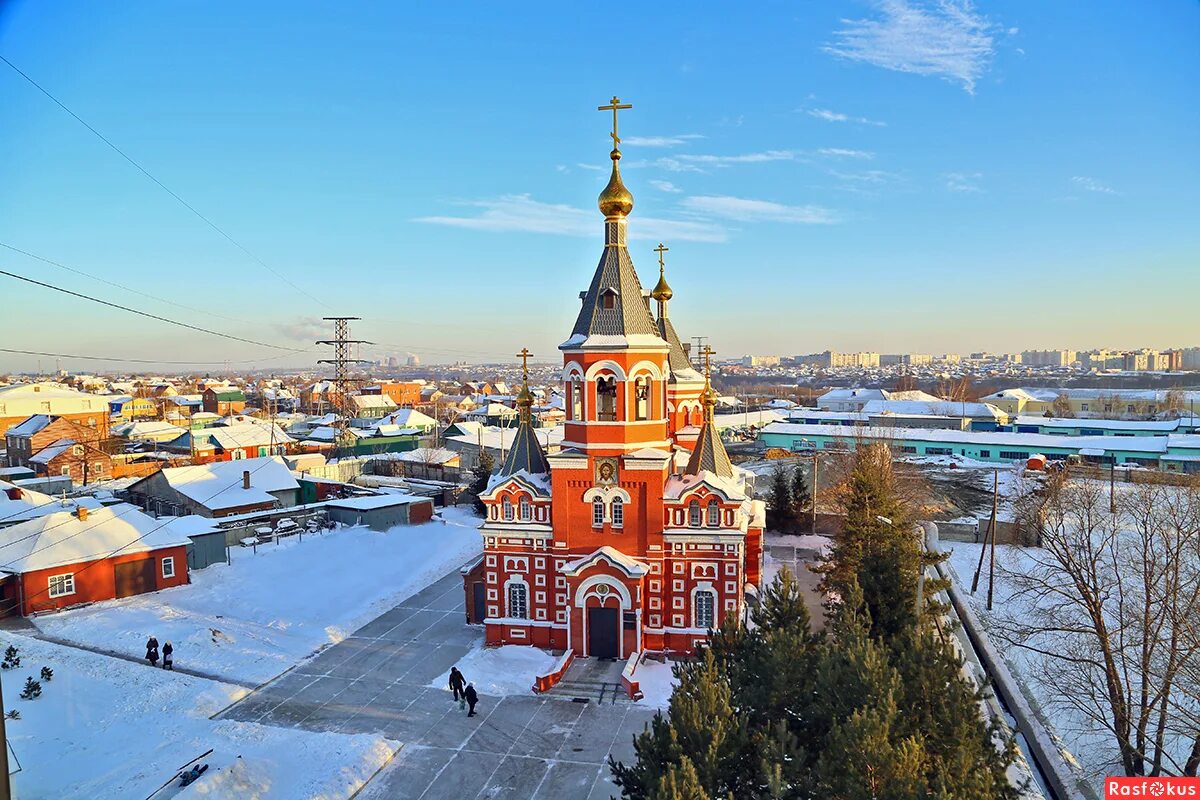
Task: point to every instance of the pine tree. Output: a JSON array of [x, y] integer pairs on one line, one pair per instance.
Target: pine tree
[[479, 479], [32, 689], [781, 514], [680, 782], [802, 499], [11, 659], [47, 674]]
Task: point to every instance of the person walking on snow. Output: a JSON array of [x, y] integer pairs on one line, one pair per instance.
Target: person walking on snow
[[472, 698], [167, 662], [152, 651], [457, 682]]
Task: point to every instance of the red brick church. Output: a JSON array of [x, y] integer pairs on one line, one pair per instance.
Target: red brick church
[[639, 534]]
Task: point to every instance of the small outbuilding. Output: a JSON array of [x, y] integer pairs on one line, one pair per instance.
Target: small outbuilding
[[382, 511]]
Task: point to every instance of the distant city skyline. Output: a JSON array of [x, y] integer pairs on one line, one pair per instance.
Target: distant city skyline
[[1036, 188]]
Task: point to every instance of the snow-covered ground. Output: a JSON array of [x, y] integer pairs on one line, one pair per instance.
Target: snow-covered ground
[[109, 728], [508, 669], [1089, 748], [655, 682], [253, 619]]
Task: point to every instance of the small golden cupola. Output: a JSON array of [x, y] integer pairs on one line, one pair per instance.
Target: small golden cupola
[[662, 290], [615, 201]]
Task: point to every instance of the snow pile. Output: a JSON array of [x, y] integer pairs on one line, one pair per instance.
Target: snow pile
[[655, 682], [255, 618], [498, 671], [108, 728]]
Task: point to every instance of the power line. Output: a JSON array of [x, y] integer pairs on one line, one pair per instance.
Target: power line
[[114, 284], [157, 182], [148, 314], [143, 360]]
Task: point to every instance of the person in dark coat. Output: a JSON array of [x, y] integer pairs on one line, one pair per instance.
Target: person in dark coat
[[457, 683], [472, 699], [168, 663], [152, 651]]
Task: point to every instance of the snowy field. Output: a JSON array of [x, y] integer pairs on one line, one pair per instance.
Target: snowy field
[[656, 682], [1090, 749], [500, 671], [253, 619], [106, 728]]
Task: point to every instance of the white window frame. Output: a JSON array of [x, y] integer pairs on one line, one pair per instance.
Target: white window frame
[[168, 562], [507, 505], [597, 513], [66, 580], [523, 591], [712, 611], [713, 518], [526, 509], [695, 519], [618, 513]]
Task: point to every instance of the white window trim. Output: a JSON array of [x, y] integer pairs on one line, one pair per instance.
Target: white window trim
[[68, 580], [168, 561]]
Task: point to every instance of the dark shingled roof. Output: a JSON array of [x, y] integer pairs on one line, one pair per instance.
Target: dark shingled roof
[[525, 454], [630, 315], [710, 455], [677, 358]]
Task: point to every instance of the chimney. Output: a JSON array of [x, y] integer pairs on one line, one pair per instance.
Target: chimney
[[246, 479], [81, 512]]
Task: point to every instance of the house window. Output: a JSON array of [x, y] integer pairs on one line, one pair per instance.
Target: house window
[[508, 510], [66, 471], [714, 515], [62, 585], [694, 514], [608, 300], [168, 567], [1083, 406], [526, 510], [618, 513], [705, 605], [597, 513], [606, 399], [642, 392], [518, 601]]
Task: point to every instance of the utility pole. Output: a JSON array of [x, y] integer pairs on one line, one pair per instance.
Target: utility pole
[[342, 362], [990, 535], [816, 464], [1112, 486], [5, 788]]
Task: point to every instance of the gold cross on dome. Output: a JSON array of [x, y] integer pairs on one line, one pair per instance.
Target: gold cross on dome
[[660, 250], [524, 356], [708, 353], [615, 106]]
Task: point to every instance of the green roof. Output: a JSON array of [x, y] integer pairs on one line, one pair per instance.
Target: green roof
[[230, 395]]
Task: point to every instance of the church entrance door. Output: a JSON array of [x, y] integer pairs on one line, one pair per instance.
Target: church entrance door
[[603, 629]]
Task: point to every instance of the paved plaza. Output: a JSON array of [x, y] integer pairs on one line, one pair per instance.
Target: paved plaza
[[521, 746]]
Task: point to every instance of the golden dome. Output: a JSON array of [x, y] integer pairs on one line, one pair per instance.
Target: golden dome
[[615, 200], [525, 397], [662, 291]]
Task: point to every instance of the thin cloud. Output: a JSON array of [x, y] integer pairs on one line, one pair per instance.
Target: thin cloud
[[593, 167], [744, 158], [964, 182], [1093, 185], [303, 329], [521, 213], [666, 186], [835, 116], [946, 39], [660, 141], [842, 152], [748, 210], [872, 176]]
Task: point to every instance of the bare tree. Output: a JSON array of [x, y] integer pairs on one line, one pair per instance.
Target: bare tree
[[1112, 604]]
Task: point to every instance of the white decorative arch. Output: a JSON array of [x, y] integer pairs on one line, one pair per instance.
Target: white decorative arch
[[608, 365], [706, 586], [605, 493], [646, 368], [516, 580], [586, 587], [572, 371]]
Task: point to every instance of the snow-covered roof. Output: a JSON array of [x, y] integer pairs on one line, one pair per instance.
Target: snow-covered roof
[[1164, 426], [219, 484], [230, 437], [149, 428], [29, 426], [363, 402], [63, 538], [627, 564], [368, 502], [428, 455], [52, 451], [408, 418], [744, 420], [935, 407]]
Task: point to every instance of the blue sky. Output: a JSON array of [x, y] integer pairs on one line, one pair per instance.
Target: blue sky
[[894, 175]]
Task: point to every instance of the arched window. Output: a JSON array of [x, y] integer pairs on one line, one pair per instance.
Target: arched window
[[705, 611], [597, 513], [618, 513], [518, 601], [508, 510], [714, 514], [606, 399], [694, 514], [641, 388], [575, 391], [526, 510]]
